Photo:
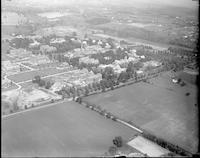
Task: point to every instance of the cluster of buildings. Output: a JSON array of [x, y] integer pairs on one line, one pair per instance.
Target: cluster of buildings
[[57, 40], [46, 48], [24, 56], [38, 59], [88, 60], [119, 65], [26, 98], [75, 78], [20, 54], [5, 82], [116, 67], [124, 62], [80, 52], [152, 63], [9, 67]]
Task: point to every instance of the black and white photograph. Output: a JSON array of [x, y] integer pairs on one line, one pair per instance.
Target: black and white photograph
[[99, 78]]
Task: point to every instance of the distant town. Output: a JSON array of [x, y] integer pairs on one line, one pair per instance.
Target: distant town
[[75, 73]]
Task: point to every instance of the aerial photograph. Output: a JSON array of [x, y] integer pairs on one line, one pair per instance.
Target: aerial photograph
[[99, 78]]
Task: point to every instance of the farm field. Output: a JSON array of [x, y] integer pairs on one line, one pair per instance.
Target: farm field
[[30, 75], [161, 107], [65, 129]]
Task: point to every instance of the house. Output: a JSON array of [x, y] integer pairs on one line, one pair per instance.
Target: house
[[88, 60], [6, 83], [124, 62]]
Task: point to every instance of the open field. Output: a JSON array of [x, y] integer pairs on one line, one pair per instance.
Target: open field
[[65, 129], [9, 29], [161, 108], [191, 78], [30, 75]]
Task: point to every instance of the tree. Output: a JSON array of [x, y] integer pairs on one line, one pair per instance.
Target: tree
[[130, 70], [108, 73], [123, 77], [48, 84], [138, 65], [36, 79], [118, 141], [94, 85], [74, 96], [80, 100], [86, 91], [90, 87], [85, 36], [41, 83], [112, 150], [112, 86], [74, 34], [103, 88]]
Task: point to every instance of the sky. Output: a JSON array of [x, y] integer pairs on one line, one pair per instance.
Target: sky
[[181, 3]]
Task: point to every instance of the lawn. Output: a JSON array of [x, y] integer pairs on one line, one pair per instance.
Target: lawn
[[65, 129], [30, 75], [191, 78], [161, 108]]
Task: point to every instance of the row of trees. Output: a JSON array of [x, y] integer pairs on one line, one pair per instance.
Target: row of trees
[[42, 83], [118, 143], [173, 148], [173, 58], [109, 80]]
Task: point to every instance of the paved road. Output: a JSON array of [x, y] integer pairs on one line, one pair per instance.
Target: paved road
[[30, 68], [129, 125], [44, 77]]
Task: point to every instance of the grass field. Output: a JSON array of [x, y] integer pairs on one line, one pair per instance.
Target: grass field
[[30, 75], [191, 78], [65, 129], [161, 108]]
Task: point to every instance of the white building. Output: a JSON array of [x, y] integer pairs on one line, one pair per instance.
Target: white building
[[124, 62], [34, 44], [152, 63], [57, 40], [88, 60]]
